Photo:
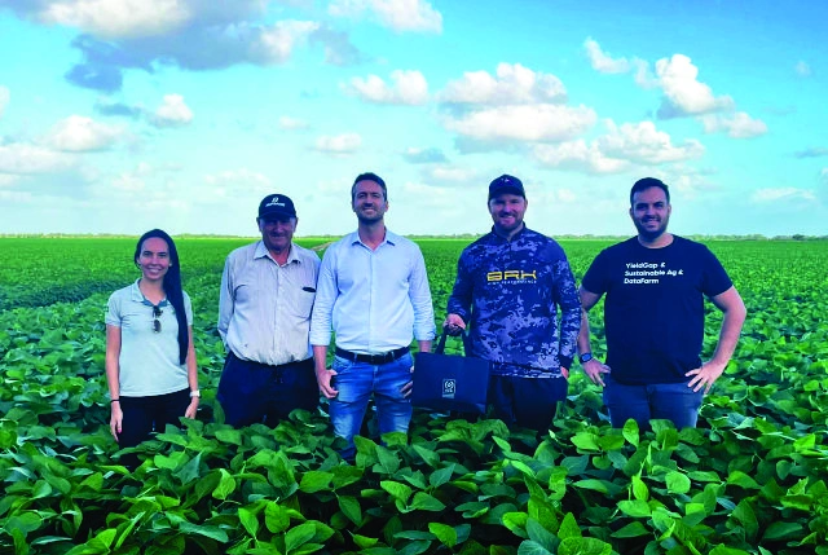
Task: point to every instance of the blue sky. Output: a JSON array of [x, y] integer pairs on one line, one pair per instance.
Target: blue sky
[[117, 116]]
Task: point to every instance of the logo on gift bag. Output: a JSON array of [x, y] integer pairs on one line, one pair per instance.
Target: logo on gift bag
[[449, 388]]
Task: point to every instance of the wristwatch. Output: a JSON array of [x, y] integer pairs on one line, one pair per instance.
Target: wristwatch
[[195, 393], [586, 357]]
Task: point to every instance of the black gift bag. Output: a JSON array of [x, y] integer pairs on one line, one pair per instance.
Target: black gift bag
[[450, 382]]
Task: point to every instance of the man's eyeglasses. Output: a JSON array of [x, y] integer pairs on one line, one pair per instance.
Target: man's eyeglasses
[[156, 323]]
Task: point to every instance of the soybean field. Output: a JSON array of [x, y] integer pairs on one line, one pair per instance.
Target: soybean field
[[751, 479]]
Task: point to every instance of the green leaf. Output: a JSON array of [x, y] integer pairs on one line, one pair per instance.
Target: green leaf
[[445, 533], [364, 542], [569, 528], [441, 476], [396, 489], [747, 517], [315, 480], [249, 520], [677, 483], [585, 441], [592, 484], [529, 547], [516, 523], [630, 432], [212, 532], [25, 522], [229, 435], [781, 530], [276, 517], [431, 458], [425, 502], [635, 508], [299, 535], [350, 507], [226, 485], [584, 546], [739, 478], [724, 550], [539, 534], [632, 530], [639, 488]]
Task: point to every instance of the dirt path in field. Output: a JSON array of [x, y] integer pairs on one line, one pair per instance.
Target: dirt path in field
[[318, 248]]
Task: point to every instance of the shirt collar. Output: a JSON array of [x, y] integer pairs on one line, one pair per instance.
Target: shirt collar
[[136, 295], [516, 237], [262, 252], [390, 237]]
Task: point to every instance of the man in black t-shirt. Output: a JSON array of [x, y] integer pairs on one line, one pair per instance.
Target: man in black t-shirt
[[654, 317]]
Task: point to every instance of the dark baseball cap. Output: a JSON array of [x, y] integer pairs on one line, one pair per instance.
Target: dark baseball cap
[[276, 205], [506, 184]]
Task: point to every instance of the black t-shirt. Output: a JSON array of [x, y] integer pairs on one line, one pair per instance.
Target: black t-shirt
[[654, 309]]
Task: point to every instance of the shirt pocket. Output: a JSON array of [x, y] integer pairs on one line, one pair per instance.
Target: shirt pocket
[[304, 302]]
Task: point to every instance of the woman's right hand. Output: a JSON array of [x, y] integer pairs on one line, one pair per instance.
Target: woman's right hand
[[116, 420]]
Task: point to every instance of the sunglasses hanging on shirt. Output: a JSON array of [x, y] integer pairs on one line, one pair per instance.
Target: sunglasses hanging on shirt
[[156, 323]]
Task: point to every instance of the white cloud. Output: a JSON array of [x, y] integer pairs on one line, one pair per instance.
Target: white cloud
[[346, 143], [409, 87], [513, 84], [541, 122], [639, 143], [82, 134], [5, 96], [227, 184], [276, 43], [578, 156], [802, 69], [118, 18], [684, 94], [782, 194], [450, 174], [602, 62], [738, 126], [642, 143], [19, 158], [292, 124], [173, 112], [399, 15]]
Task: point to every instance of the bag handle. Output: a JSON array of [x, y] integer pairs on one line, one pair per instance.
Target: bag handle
[[441, 344]]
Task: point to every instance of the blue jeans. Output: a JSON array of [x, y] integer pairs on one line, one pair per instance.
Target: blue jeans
[[356, 381], [670, 401]]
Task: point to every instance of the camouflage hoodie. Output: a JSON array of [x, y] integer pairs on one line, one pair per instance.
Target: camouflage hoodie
[[508, 292]]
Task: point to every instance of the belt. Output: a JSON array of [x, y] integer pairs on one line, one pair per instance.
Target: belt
[[383, 358]]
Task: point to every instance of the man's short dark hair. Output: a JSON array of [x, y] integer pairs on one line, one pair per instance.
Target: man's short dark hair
[[369, 176], [646, 183]]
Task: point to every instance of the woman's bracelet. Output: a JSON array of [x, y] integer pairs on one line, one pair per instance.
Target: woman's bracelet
[[114, 401]]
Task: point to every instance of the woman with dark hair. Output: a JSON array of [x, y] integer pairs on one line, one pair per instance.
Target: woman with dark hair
[[150, 358]]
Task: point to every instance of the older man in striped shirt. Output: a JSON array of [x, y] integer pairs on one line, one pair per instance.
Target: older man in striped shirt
[[267, 293]]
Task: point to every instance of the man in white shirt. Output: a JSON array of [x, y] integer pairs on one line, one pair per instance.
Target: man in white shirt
[[373, 290], [267, 293]]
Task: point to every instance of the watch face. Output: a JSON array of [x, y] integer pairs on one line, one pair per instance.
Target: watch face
[[586, 357]]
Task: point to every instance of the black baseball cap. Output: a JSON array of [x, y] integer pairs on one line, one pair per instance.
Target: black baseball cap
[[506, 184], [276, 205]]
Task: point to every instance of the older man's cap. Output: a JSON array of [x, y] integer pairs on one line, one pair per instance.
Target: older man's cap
[[276, 205], [506, 184]]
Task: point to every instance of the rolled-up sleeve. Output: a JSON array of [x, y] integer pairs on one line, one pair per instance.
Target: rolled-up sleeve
[[420, 295], [326, 293]]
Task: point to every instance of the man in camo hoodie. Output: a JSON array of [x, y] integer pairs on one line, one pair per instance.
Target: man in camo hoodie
[[510, 284]]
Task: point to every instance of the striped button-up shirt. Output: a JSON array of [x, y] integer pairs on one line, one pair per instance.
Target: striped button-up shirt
[[265, 308], [375, 300]]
